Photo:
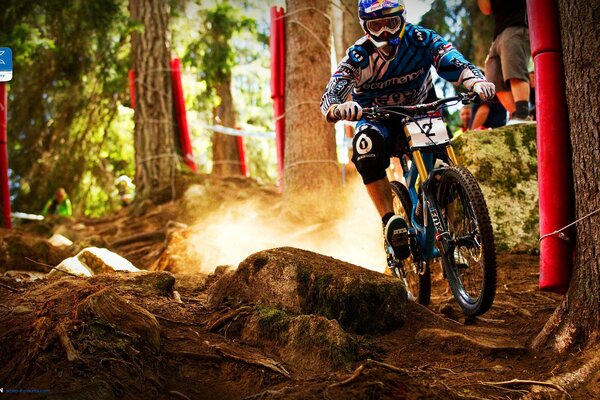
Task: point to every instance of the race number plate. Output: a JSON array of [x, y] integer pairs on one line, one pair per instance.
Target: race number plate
[[427, 131]]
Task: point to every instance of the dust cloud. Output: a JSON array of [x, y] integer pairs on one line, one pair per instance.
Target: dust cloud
[[237, 230]]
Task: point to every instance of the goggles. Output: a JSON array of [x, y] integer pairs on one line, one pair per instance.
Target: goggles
[[376, 27]]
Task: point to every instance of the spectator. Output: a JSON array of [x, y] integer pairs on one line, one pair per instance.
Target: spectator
[[506, 63], [125, 190], [465, 115], [488, 114], [59, 204]]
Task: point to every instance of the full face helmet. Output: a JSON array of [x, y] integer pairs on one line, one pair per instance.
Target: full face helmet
[[383, 20]]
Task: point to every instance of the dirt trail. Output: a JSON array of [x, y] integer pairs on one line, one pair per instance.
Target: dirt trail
[[438, 354]]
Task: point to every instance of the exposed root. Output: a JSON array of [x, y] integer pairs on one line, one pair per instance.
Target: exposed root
[[571, 381], [175, 321], [249, 358], [179, 394], [270, 392], [230, 316], [525, 382], [61, 332], [366, 364], [12, 289], [141, 237]]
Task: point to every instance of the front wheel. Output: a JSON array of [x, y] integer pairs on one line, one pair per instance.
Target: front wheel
[[471, 265], [415, 273]]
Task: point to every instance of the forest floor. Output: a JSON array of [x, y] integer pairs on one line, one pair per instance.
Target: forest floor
[[438, 353]]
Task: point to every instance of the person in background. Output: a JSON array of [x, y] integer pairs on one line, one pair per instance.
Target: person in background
[[488, 114], [465, 115], [125, 190], [507, 60], [59, 204]]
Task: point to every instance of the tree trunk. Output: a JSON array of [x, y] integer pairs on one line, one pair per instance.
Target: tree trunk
[[155, 155], [349, 30], [226, 157], [576, 322], [311, 171]]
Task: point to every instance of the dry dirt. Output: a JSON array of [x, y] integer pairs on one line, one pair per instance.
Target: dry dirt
[[437, 354]]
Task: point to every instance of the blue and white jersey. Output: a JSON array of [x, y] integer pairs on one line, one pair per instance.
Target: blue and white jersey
[[404, 80]]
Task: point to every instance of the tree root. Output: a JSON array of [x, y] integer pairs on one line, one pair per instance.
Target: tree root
[[61, 332], [230, 316], [249, 358], [140, 237], [571, 381], [270, 392], [524, 382], [12, 289], [179, 394], [366, 364]]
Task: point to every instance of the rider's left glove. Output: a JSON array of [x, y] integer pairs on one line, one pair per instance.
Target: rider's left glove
[[486, 90]]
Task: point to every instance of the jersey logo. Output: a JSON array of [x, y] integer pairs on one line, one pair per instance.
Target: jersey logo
[[379, 4], [359, 56]]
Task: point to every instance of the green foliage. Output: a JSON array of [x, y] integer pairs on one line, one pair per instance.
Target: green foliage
[[71, 63], [213, 50]]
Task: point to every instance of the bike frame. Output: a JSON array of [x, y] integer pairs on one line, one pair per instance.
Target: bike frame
[[422, 168]]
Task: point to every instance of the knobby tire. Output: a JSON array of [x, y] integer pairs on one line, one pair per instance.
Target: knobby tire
[[458, 184]]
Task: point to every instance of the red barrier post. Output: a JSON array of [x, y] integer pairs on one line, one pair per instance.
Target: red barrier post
[[132, 88], [5, 187], [242, 153], [555, 181], [277, 46], [181, 115]]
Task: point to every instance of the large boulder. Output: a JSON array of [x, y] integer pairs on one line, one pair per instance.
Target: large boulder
[[303, 282], [504, 161]]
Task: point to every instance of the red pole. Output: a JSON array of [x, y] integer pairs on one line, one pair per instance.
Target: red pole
[[277, 45], [242, 153], [132, 88], [555, 182], [4, 158], [181, 116]]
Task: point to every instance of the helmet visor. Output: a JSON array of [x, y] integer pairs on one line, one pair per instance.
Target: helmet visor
[[377, 27]]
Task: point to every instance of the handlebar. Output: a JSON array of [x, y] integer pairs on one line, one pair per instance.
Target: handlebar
[[382, 112]]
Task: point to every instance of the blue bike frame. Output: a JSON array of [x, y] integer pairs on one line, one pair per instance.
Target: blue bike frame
[[433, 227]]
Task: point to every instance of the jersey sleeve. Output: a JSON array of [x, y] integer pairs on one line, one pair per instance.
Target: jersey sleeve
[[344, 79]]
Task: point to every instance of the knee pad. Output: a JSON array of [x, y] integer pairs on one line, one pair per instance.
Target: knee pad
[[369, 154]]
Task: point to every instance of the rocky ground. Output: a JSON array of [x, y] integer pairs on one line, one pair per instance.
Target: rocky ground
[[170, 333]]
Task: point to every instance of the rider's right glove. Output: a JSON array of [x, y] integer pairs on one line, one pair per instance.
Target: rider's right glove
[[349, 111], [486, 90]]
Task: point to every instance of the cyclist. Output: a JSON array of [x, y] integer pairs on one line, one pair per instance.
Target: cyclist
[[391, 65]]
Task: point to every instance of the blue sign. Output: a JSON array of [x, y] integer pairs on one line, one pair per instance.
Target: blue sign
[[6, 65]]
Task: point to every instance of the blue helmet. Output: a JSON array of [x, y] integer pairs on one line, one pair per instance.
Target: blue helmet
[[383, 20]]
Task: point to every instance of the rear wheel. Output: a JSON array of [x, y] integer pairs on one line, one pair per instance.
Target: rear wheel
[[471, 266], [415, 273]]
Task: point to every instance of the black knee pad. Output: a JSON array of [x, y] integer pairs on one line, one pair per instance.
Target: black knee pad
[[369, 154]]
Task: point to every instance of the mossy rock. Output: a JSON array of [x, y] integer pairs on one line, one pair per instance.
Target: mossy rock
[[504, 161], [303, 282]]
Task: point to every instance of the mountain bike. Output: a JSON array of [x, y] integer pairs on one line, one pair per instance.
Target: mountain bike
[[444, 207]]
